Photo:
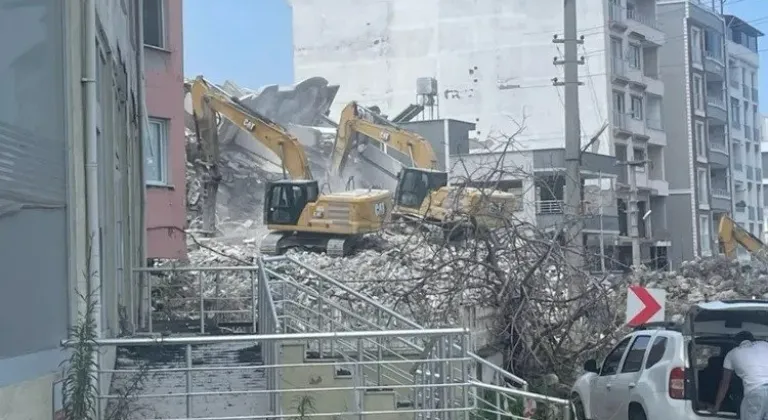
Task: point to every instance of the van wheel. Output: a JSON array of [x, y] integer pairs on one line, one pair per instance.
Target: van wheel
[[636, 413], [578, 407]]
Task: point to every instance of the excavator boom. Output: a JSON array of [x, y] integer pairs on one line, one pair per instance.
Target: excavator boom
[[206, 96], [411, 144], [731, 235]]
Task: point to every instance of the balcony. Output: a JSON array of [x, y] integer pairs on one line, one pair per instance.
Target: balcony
[[745, 91], [716, 99], [716, 108], [650, 21], [714, 63], [616, 16], [621, 125], [549, 207], [721, 193], [754, 95], [718, 144], [654, 124]]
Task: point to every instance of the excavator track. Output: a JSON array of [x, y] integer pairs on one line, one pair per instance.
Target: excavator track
[[276, 243]]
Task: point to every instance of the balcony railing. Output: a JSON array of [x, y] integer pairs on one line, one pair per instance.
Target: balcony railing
[[721, 193], [746, 91], [750, 173], [653, 123], [549, 207], [740, 209], [748, 132], [718, 144], [738, 166], [639, 17], [754, 95], [715, 55], [716, 100]]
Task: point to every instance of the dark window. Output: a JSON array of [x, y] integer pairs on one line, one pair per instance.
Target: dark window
[[154, 30], [634, 360], [657, 351], [611, 362]]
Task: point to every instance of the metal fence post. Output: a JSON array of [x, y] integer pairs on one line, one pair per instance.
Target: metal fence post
[[254, 300], [189, 380], [149, 301], [202, 302], [359, 380]]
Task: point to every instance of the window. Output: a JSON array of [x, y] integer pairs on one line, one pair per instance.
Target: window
[[634, 360], [634, 56], [713, 44], [657, 351], [698, 133], [696, 45], [156, 156], [618, 101], [616, 50], [698, 93], [611, 362], [705, 235], [154, 23], [639, 156], [637, 108], [701, 177], [746, 114], [735, 111]]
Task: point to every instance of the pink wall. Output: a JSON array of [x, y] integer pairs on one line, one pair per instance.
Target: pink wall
[[164, 73]]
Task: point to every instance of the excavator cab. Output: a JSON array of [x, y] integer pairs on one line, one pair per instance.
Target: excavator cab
[[286, 199], [414, 184]]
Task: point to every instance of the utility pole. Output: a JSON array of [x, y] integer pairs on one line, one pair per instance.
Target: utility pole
[[572, 199], [634, 219]]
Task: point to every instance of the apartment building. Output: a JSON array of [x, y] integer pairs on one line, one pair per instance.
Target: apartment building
[[165, 144], [709, 103], [745, 125], [491, 64], [72, 187], [764, 166]]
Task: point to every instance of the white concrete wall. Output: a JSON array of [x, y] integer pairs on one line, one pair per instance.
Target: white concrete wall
[[476, 50]]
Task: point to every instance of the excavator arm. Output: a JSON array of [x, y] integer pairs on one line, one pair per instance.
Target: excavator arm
[[207, 97], [411, 144], [731, 235]]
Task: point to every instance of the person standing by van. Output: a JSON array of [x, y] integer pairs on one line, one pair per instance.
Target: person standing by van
[[749, 360]]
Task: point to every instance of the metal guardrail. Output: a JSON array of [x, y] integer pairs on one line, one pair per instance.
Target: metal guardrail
[[307, 309], [721, 193], [549, 207], [718, 144], [716, 100], [616, 13], [649, 21], [188, 382]]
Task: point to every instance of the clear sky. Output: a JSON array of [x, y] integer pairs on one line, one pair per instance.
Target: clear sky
[[246, 41], [249, 41]]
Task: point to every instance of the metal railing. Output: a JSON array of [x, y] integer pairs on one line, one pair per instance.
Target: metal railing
[[741, 209], [718, 144], [654, 124], [715, 55], [192, 298], [716, 100], [650, 21], [549, 207], [221, 377], [721, 193]]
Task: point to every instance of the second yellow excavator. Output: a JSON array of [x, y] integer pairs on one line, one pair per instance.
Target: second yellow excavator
[[423, 193], [731, 235], [295, 211]]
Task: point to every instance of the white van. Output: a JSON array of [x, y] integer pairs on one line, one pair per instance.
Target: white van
[[670, 371]]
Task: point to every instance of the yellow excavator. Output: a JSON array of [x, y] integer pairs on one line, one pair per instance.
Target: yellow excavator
[[731, 235], [422, 193], [295, 211]]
